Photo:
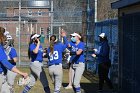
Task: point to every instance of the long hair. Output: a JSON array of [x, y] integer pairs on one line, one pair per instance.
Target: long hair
[[2, 30], [2, 37], [52, 42], [81, 39], [31, 41]]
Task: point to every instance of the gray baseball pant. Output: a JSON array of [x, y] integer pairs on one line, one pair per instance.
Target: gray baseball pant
[[10, 78], [56, 74], [77, 72], [37, 71], [2, 80], [4, 87]]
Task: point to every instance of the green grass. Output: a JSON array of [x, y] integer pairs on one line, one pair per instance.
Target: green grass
[[39, 89]]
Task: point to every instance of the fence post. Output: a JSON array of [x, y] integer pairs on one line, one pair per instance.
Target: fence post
[[19, 30]]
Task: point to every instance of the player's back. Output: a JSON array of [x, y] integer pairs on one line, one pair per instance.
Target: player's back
[[56, 57]]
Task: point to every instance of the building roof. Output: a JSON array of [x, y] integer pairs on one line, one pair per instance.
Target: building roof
[[123, 3], [26, 3]]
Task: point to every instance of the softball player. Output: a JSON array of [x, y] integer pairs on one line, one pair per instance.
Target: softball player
[[55, 60], [12, 58], [36, 53], [4, 62], [78, 60]]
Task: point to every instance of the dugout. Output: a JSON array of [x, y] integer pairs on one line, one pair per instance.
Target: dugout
[[129, 45]]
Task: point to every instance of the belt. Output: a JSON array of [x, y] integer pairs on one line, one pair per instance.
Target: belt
[[37, 61], [54, 64]]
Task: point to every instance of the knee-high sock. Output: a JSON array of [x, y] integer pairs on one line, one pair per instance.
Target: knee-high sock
[[26, 89]]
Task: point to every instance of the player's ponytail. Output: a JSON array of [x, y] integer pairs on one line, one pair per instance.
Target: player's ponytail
[[31, 41], [52, 41], [81, 39], [2, 37]]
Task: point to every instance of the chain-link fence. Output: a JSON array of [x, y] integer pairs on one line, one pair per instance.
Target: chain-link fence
[[25, 17], [110, 27]]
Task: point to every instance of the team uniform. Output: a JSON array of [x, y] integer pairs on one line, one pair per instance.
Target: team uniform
[[11, 53], [78, 65], [37, 70], [10, 76], [3, 63], [55, 64]]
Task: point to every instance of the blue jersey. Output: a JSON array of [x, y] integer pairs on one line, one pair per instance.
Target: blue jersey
[[3, 60], [39, 55], [56, 57], [74, 48], [11, 53]]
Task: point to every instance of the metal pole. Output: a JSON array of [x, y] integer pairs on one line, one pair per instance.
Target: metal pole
[[95, 11], [87, 26], [59, 32], [19, 31], [36, 28], [51, 17], [31, 28], [88, 19]]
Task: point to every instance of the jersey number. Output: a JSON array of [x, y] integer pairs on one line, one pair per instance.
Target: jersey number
[[54, 56]]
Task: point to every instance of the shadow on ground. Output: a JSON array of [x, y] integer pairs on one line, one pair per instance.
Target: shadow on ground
[[89, 87], [93, 86]]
